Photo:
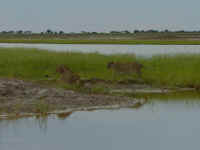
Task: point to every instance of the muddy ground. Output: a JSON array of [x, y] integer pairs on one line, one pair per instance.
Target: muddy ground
[[17, 96]]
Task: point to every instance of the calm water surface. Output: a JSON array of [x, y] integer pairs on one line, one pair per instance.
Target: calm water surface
[[139, 50], [156, 126]]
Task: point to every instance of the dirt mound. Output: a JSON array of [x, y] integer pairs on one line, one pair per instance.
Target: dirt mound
[[20, 96]]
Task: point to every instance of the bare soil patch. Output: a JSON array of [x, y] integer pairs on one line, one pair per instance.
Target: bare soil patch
[[18, 96]]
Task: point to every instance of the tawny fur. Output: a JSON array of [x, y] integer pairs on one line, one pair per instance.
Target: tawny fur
[[131, 67], [67, 75]]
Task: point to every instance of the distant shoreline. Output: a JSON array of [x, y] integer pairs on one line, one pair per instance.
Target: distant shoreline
[[101, 42]]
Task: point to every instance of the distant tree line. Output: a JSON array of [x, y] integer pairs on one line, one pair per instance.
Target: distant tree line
[[152, 31], [16, 32], [28, 32], [51, 32]]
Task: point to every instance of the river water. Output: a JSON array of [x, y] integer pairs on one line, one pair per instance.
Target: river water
[[166, 125], [139, 50]]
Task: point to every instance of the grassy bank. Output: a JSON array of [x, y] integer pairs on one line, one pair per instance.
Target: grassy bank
[[173, 96], [33, 64], [107, 41]]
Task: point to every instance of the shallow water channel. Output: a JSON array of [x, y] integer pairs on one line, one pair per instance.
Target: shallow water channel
[[139, 50], [160, 124]]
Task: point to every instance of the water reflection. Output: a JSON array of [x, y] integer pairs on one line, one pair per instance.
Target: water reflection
[[42, 123], [64, 115], [159, 124]]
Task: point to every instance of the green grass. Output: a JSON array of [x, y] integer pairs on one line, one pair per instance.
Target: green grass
[[32, 64], [127, 42], [179, 70], [171, 96]]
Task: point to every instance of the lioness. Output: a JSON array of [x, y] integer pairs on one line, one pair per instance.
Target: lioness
[[67, 75], [131, 67]]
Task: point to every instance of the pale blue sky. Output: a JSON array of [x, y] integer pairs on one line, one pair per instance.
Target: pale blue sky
[[99, 15]]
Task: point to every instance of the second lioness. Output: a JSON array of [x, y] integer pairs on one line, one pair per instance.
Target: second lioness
[[130, 67]]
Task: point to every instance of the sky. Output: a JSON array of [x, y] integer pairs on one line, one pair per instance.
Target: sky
[[99, 15]]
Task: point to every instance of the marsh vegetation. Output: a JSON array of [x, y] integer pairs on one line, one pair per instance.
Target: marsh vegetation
[[165, 70]]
